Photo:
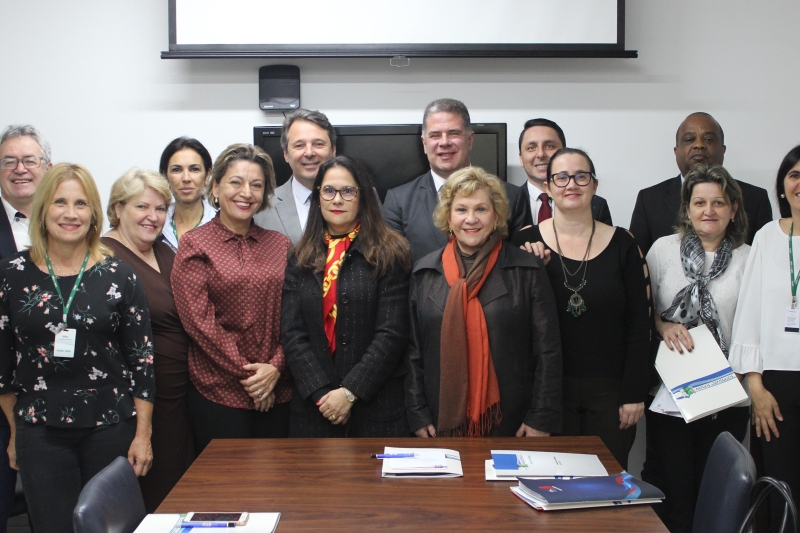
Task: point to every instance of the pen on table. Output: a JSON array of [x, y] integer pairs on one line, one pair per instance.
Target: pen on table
[[392, 455], [203, 525]]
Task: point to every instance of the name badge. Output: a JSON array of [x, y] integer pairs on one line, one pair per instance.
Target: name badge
[[65, 343], [792, 320]]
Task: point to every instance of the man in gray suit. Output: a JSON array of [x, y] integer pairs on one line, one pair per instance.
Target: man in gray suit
[[447, 140], [308, 140]]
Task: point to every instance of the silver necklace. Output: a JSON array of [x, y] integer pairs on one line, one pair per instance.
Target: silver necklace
[[575, 304]]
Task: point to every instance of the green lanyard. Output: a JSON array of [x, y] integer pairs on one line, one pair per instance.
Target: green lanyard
[[791, 269], [67, 305], [175, 228]]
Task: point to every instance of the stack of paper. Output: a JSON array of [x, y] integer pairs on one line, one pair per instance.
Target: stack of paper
[[424, 462], [604, 491], [510, 464], [700, 382]]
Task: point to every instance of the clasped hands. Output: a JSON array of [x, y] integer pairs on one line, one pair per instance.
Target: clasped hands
[[260, 386], [335, 407]]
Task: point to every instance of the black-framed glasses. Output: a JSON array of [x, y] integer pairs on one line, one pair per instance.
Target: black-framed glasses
[[327, 192], [561, 179], [31, 161]]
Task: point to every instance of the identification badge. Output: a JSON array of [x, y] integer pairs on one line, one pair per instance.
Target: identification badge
[[792, 320], [65, 343]]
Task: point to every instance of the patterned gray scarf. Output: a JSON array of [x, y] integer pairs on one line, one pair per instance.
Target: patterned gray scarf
[[694, 302]]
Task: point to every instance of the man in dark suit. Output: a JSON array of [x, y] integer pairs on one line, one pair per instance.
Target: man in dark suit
[[699, 140], [308, 140], [447, 141], [24, 158], [539, 140]]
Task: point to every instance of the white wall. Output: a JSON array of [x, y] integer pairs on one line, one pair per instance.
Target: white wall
[[88, 73]]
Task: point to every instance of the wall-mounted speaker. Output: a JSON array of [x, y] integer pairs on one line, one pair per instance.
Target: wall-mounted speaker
[[279, 87]]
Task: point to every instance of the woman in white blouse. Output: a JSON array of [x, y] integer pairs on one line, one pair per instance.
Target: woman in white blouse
[[695, 276], [766, 342]]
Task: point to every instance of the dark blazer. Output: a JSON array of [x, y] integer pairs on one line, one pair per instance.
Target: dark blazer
[[524, 338], [8, 246], [600, 211], [409, 208], [656, 212], [371, 337]]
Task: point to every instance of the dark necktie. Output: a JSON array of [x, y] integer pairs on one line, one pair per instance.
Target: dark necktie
[[544, 210], [19, 215]]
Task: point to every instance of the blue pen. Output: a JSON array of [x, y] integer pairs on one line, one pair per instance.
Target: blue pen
[[392, 455]]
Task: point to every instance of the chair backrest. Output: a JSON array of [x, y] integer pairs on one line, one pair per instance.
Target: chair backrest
[[111, 502], [724, 494]]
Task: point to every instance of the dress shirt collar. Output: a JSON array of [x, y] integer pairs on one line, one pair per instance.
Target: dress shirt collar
[[228, 235], [301, 194], [438, 181], [11, 211]]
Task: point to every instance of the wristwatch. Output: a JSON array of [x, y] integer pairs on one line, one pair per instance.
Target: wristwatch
[[349, 395]]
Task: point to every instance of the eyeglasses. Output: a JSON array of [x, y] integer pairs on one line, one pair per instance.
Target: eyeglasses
[[561, 179], [329, 193], [10, 163]]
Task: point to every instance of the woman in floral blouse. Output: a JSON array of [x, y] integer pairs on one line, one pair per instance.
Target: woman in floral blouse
[[76, 355], [227, 281]]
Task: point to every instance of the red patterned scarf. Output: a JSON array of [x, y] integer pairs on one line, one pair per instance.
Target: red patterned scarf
[[337, 248], [469, 395]]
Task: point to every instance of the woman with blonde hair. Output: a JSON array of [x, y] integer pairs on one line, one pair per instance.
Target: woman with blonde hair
[[76, 348], [136, 211], [484, 357], [227, 281]]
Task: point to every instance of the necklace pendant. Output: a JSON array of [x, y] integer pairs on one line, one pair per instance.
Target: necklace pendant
[[576, 305]]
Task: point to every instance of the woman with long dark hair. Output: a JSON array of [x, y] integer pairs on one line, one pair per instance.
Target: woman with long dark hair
[[766, 342], [345, 317]]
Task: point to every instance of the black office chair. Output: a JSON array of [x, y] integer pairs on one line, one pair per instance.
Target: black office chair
[[723, 499], [111, 501]]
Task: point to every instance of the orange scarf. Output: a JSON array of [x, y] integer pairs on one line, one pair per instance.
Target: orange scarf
[[337, 248], [469, 395]]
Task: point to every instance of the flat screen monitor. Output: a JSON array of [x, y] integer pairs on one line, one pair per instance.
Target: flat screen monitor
[[392, 154]]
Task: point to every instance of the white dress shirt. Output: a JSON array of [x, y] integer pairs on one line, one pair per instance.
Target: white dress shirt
[[759, 340], [302, 199], [438, 181], [19, 226], [536, 202]]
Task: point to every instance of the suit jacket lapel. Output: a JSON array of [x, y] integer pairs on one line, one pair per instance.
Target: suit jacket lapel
[[673, 197], [286, 209], [430, 198], [8, 246]]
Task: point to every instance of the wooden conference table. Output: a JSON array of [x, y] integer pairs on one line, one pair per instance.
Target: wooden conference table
[[333, 485]]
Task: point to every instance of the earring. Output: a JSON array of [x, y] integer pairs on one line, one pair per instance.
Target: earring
[[783, 196]]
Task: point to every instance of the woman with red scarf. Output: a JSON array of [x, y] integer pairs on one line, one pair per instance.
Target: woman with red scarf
[[344, 320], [485, 352]]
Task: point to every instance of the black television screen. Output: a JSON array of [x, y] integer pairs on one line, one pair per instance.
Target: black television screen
[[392, 154]]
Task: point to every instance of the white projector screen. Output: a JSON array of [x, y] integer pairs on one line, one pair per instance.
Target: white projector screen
[[413, 28]]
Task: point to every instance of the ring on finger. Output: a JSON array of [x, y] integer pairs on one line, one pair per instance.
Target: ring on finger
[[333, 417], [258, 393]]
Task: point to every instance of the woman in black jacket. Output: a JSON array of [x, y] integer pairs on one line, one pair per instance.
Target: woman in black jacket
[[344, 320], [485, 353]]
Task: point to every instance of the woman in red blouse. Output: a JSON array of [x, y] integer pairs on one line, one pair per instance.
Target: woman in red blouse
[[227, 282]]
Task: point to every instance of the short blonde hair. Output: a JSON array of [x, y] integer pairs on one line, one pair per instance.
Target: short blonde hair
[[132, 184], [242, 152], [46, 191], [465, 182]]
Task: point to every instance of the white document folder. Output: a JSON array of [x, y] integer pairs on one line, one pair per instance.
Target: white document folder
[[701, 381]]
